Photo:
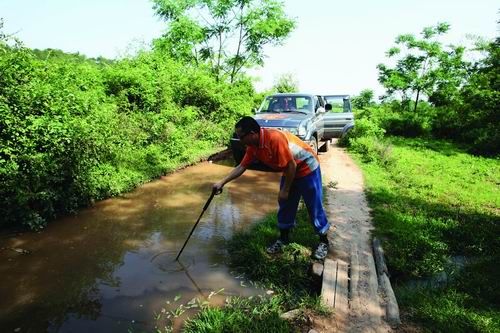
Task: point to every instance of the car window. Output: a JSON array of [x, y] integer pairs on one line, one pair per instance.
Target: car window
[[339, 103]]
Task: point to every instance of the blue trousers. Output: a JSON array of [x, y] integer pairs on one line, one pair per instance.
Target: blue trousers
[[310, 188]]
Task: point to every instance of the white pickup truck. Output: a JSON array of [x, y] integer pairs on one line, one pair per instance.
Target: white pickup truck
[[338, 119], [315, 119]]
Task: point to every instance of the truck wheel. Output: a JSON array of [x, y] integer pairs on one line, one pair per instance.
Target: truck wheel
[[326, 147], [314, 145]]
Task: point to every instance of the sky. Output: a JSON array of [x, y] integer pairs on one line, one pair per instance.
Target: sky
[[334, 49]]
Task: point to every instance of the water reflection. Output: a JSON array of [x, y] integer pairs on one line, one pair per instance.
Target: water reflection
[[111, 267]]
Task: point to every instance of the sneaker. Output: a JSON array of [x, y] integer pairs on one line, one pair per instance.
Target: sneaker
[[321, 251], [277, 247]]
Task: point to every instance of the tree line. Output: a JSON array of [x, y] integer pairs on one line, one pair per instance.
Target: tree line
[[75, 129], [437, 90]]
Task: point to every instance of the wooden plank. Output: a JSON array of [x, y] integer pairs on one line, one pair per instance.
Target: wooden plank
[[334, 291], [342, 291], [329, 282], [355, 292], [379, 258], [392, 308]]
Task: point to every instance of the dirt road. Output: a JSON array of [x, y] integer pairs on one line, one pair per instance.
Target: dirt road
[[350, 242]]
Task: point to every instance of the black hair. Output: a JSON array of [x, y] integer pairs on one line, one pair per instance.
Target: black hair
[[248, 124]]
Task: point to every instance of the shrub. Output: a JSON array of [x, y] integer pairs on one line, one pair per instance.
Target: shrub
[[372, 149], [73, 130], [364, 127]]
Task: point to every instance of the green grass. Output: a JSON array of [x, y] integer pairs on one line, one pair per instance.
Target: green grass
[[431, 202], [448, 310], [241, 315], [286, 274]]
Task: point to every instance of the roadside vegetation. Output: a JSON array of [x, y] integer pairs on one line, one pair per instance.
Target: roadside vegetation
[[436, 209], [429, 152], [74, 130]]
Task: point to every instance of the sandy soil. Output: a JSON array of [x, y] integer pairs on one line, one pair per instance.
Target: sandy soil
[[350, 241]]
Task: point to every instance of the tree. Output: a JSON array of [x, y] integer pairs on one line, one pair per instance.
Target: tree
[[477, 114], [228, 35], [286, 83], [363, 100], [3, 36], [425, 67]]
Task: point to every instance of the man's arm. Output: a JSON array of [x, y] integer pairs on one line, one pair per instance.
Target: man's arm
[[289, 173], [235, 173]]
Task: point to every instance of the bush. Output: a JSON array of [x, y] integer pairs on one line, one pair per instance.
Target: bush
[[372, 149], [401, 120], [364, 127], [73, 130]]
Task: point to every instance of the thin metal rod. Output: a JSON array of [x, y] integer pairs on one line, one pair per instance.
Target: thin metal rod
[[214, 192]]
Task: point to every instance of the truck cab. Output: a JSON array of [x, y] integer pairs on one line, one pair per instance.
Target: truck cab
[[298, 113]]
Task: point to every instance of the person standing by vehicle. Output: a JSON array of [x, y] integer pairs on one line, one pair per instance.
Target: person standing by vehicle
[[283, 151]]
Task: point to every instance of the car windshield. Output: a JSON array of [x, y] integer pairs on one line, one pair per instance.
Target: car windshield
[[286, 104]]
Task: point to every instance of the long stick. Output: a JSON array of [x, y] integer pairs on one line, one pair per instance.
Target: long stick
[[214, 192], [184, 269]]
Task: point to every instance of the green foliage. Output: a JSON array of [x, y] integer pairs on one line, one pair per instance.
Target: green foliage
[[241, 315], [54, 55], [424, 67], [73, 130], [367, 126], [229, 36], [286, 83], [434, 202], [397, 120], [448, 310], [462, 97], [366, 139], [372, 149], [363, 100], [394, 119], [474, 118]]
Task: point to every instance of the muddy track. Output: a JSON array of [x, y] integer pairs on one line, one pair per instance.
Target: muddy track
[[350, 242]]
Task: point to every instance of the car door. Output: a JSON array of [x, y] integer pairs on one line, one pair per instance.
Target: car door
[[319, 106], [340, 115]]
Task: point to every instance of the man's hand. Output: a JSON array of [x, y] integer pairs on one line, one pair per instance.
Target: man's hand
[[283, 195], [235, 173], [217, 187]]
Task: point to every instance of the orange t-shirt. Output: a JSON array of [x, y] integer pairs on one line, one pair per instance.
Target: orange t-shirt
[[277, 148]]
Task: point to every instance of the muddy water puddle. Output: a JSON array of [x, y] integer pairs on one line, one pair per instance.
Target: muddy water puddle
[[111, 267]]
